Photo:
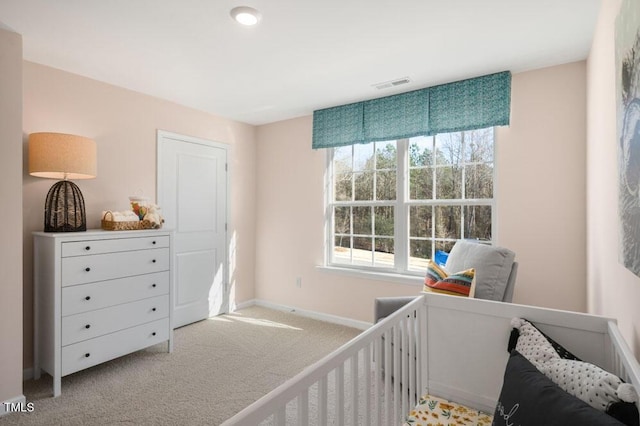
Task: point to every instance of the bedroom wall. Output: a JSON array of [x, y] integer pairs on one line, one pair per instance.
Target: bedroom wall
[[123, 123], [11, 194], [541, 186], [612, 289], [540, 190]]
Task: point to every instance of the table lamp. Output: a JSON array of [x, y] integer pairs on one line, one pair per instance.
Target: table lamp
[[62, 156]]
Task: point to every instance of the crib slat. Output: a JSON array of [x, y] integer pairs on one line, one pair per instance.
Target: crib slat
[[411, 382], [398, 337], [423, 372], [355, 387], [303, 408], [377, 406], [367, 384], [322, 401], [405, 370], [280, 416], [339, 395], [388, 371]]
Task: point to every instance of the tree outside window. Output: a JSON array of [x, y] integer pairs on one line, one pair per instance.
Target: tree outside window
[[395, 203]]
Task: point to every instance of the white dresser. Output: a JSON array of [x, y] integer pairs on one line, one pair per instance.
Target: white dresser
[[99, 295]]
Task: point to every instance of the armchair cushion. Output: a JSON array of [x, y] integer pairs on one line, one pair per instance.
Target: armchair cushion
[[492, 266]]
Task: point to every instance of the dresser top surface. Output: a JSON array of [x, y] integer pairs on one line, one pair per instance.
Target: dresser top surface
[[101, 233]]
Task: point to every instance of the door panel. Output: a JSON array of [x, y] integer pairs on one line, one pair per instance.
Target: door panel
[[198, 212], [197, 268], [192, 192]]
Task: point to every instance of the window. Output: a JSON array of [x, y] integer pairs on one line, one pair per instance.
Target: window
[[392, 205]]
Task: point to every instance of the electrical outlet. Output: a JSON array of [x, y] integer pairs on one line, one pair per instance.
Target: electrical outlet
[[299, 282]]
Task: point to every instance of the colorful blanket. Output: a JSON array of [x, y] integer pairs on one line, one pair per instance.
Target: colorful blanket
[[434, 411]]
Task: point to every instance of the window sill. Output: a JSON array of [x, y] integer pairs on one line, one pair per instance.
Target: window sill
[[374, 275]]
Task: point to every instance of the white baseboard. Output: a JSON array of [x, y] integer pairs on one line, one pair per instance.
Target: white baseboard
[[13, 401], [245, 304], [348, 322], [27, 374]]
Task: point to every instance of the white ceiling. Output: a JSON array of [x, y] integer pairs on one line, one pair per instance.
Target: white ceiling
[[304, 55]]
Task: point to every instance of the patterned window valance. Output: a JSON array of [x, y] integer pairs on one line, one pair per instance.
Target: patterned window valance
[[464, 105]]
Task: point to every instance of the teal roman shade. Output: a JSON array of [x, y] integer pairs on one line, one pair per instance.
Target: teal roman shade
[[470, 104], [338, 126], [464, 105], [396, 117]]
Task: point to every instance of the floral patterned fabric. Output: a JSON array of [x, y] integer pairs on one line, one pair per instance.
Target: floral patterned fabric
[[434, 411]]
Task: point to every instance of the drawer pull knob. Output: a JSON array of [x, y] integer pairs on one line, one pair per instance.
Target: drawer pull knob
[[153, 309], [87, 326], [87, 355], [153, 285], [154, 261], [87, 298], [87, 248], [154, 243], [87, 269], [153, 334]]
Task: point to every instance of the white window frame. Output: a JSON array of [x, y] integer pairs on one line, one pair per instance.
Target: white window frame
[[401, 213]]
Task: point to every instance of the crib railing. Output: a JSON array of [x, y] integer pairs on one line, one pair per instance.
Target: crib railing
[[623, 362], [375, 379]]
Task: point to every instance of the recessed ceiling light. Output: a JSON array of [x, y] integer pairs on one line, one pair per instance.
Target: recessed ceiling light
[[245, 15]]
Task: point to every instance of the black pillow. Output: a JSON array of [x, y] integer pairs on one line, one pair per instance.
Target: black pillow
[[528, 397]]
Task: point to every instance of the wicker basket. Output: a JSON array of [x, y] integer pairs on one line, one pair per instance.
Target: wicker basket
[[111, 225], [146, 224]]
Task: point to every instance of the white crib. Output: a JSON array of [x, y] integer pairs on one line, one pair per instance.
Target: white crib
[[455, 348]]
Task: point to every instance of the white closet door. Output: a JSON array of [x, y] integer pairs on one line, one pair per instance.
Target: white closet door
[[192, 192]]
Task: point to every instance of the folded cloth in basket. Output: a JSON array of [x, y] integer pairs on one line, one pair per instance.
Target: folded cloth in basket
[[432, 410], [125, 216]]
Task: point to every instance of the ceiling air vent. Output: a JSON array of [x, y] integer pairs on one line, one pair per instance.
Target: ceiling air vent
[[392, 83]]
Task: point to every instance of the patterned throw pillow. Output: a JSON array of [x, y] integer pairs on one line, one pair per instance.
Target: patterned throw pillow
[[586, 381], [438, 280]]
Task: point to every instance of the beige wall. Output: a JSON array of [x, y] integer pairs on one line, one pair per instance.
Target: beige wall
[[290, 233], [541, 186], [11, 195], [541, 196], [612, 289], [123, 124]]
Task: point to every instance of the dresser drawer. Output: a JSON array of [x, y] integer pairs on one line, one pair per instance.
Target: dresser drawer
[[85, 248], [100, 267], [76, 328], [95, 351], [87, 297]]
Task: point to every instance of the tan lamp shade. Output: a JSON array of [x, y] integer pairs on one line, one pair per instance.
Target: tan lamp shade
[[62, 156]]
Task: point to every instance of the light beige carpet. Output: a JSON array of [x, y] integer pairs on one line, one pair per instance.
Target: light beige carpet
[[218, 367]]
